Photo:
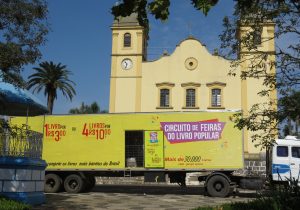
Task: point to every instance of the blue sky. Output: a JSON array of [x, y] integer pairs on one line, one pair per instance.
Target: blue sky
[[80, 38]]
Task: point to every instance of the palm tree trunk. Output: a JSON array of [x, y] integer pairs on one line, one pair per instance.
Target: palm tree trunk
[[50, 103]]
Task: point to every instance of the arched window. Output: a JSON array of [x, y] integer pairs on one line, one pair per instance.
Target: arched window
[[190, 98], [164, 97], [127, 40], [216, 97]]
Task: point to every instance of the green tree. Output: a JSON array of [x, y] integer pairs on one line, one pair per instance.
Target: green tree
[[52, 77], [285, 14], [158, 8], [86, 109], [290, 111], [23, 27]]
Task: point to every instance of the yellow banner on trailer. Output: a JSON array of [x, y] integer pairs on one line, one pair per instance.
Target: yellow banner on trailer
[[191, 140], [83, 141]]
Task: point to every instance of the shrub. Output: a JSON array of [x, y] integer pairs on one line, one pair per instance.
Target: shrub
[[6, 204], [281, 197]]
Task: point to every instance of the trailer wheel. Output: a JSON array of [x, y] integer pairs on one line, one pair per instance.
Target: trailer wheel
[[73, 184], [53, 183], [218, 186]]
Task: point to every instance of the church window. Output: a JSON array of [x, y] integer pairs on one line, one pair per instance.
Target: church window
[[164, 95], [127, 40], [190, 98], [164, 98], [190, 95], [216, 97]]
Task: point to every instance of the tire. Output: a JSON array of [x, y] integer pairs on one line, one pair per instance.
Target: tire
[[53, 183], [218, 186], [74, 184], [89, 183]]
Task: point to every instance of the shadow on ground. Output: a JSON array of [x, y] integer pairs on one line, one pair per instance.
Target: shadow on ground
[[165, 189], [150, 190], [103, 196]]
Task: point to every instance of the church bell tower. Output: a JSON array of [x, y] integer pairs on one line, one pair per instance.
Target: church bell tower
[[262, 57], [128, 53]]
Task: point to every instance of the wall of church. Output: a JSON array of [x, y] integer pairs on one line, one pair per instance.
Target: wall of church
[[190, 66], [126, 93], [172, 71]]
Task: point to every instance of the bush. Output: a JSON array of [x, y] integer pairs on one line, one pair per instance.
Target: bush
[[6, 204], [223, 207], [261, 203]]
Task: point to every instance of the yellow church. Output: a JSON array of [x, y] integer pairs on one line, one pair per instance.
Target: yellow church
[[189, 79]]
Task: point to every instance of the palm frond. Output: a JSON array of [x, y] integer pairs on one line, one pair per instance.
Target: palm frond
[[52, 78]]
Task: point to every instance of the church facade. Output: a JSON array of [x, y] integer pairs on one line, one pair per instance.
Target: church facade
[[189, 79]]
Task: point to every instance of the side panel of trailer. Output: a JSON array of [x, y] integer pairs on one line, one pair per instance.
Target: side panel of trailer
[[166, 141]]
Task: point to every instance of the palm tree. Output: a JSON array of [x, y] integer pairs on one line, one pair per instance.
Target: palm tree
[[52, 77]]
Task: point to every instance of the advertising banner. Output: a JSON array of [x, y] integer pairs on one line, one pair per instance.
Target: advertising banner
[[154, 149], [180, 132], [209, 142]]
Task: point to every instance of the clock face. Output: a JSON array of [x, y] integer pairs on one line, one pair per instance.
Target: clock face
[[126, 64]]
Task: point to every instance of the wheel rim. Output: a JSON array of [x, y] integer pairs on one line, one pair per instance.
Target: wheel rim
[[218, 186], [50, 183], [73, 184]]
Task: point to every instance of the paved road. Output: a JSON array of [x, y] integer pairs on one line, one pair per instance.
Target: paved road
[[139, 197]]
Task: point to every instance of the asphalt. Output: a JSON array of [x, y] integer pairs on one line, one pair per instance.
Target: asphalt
[[140, 197]]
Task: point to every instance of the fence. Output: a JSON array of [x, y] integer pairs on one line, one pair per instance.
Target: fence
[[19, 142]]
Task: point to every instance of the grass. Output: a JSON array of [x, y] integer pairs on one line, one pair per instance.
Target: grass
[[6, 204]]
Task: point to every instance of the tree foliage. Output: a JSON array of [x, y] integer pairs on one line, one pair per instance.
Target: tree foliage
[[158, 8], [262, 117], [87, 109], [23, 27], [290, 111], [52, 77], [285, 14]]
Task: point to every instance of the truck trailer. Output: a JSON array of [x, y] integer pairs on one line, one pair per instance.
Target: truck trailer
[[158, 146]]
